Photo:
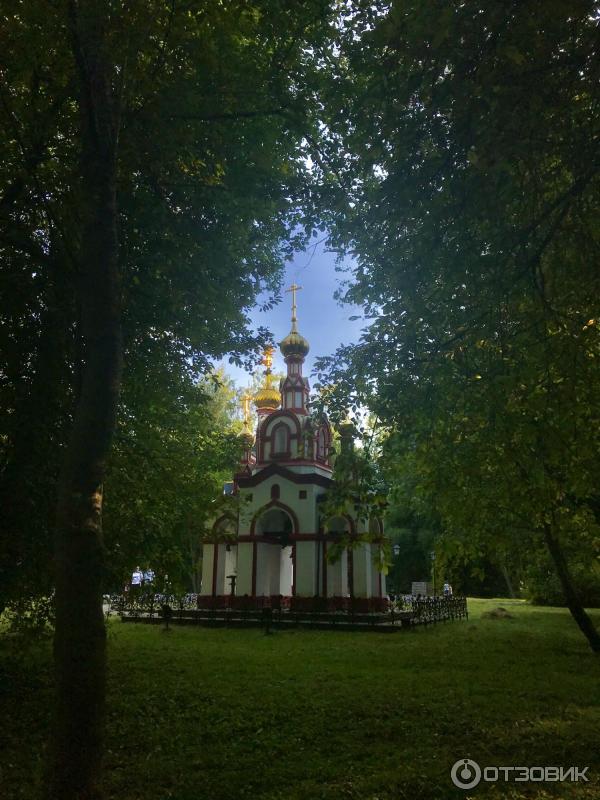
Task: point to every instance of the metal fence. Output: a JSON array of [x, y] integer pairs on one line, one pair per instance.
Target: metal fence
[[427, 610], [404, 611], [148, 604]]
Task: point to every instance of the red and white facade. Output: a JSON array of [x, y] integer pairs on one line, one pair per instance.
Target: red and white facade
[[277, 545]]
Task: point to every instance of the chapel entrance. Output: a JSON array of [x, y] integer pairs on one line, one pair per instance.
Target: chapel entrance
[[275, 569]]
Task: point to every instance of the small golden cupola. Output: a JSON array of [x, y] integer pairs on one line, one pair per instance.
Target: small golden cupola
[[294, 387], [267, 398], [294, 345]]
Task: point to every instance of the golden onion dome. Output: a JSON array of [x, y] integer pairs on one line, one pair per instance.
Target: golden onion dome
[[267, 397], [294, 344]]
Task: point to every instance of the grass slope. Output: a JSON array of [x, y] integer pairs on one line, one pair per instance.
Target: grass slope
[[199, 714]]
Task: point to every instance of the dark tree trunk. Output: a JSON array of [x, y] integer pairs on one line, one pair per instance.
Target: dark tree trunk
[[574, 604], [507, 580], [79, 643]]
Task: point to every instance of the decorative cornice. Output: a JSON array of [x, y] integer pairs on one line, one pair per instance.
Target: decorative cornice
[[278, 469]]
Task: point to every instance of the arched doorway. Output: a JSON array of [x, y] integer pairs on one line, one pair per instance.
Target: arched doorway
[[339, 579], [224, 557], [274, 522], [275, 567]]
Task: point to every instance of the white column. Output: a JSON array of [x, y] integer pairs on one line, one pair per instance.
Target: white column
[[244, 569], [230, 566], [285, 572], [208, 554], [337, 576], [263, 571], [306, 569], [375, 572], [274, 568], [362, 571], [220, 576]]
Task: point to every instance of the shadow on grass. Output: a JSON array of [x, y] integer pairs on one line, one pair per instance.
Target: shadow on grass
[[223, 714]]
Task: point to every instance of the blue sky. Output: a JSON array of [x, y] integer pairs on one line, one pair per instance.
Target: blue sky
[[321, 319]]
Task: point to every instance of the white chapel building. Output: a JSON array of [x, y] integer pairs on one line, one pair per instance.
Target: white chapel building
[[273, 551]]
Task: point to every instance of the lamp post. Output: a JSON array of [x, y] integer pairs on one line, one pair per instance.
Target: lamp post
[[432, 556], [232, 579]]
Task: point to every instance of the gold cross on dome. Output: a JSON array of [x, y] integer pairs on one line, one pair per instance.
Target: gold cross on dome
[[246, 397], [268, 358], [293, 289]]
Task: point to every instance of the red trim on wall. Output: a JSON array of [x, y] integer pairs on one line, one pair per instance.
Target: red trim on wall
[[294, 462], [265, 539], [215, 564], [359, 605], [281, 453], [283, 412], [293, 537], [282, 472]]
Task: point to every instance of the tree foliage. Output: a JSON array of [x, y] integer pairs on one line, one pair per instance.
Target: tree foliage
[[172, 453], [212, 193], [153, 180], [471, 203]]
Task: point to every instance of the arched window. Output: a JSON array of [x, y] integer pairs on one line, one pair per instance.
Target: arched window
[[280, 440], [274, 522], [225, 527], [374, 526], [337, 525]]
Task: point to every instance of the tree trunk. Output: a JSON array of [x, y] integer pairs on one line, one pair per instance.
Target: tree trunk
[[80, 639], [507, 580], [571, 596]]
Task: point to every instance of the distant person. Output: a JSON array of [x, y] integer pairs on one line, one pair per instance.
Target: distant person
[[148, 577], [447, 590], [137, 577]]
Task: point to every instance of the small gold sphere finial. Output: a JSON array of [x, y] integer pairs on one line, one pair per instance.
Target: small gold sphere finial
[[294, 343]]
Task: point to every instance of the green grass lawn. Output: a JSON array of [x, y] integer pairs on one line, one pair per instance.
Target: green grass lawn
[[200, 714]]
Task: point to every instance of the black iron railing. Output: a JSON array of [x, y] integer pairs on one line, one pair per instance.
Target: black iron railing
[[426, 610], [405, 611]]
